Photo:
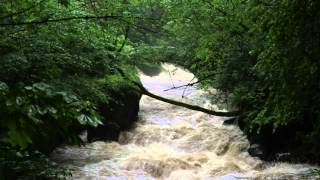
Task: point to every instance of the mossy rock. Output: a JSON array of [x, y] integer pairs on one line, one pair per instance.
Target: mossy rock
[[120, 112]]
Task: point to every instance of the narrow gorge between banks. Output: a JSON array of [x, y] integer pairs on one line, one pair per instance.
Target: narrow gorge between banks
[[174, 143]]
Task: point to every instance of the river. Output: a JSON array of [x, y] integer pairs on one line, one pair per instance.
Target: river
[[174, 143]]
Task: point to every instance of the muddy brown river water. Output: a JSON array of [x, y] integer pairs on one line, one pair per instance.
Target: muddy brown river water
[[174, 143]]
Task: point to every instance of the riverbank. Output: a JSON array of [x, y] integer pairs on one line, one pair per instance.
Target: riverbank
[[171, 142]]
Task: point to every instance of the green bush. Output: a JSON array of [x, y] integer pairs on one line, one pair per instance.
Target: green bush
[[28, 165], [30, 111]]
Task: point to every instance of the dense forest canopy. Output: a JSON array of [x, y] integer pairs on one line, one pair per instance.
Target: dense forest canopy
[[60, 62]]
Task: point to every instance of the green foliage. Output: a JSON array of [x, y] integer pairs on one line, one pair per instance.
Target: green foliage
[[288, 62], [36, 110], [55, 75], [59, 66], [263, 55], [28, 164]]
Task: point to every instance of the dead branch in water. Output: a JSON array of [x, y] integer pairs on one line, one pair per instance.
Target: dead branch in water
[[190, 83], [140, 88], [144, 91]]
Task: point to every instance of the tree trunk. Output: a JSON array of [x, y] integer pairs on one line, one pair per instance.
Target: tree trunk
[[144, 91]]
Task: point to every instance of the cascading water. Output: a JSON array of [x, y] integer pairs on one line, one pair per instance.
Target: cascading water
[[173, 143]]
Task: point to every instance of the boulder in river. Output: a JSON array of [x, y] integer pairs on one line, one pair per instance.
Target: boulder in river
[[119, 114]]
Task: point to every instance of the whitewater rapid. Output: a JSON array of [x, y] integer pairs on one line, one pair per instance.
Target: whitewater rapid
[[173, 143]]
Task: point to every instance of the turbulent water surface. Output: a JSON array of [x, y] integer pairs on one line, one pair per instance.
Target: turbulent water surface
[[172, 142]]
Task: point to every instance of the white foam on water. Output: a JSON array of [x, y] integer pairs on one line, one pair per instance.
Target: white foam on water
[[172, 142]]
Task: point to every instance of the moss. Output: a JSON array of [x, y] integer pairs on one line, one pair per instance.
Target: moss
[[117, 83], [121, 110]]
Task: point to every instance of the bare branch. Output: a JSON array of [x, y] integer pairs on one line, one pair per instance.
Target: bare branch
[[185, 85], [45, 21], [185, 89], [144, 91], [190, 84], [171, 78]]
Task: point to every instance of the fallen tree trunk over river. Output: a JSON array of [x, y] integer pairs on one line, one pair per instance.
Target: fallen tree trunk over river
[[144, 91]]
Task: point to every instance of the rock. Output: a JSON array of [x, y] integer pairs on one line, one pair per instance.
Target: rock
[[119, 114], [283, 157], [255, 150], [230, 120], [84, 136]]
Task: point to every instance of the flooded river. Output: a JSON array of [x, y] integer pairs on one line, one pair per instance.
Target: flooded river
[[173, 143]]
